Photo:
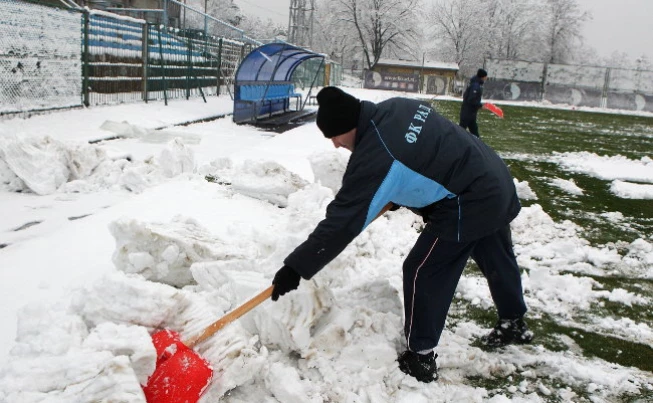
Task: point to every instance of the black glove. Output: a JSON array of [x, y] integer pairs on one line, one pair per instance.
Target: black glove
[[284, 281]]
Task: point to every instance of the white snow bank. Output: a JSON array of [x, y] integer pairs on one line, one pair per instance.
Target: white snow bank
[[46, 166], [606, 167], [629, 190], [164, 252]]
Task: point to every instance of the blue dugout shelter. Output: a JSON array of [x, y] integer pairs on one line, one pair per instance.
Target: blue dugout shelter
[[264, 86]]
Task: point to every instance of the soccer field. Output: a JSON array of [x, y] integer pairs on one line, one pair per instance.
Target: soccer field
[[552, 150], [537, 144]]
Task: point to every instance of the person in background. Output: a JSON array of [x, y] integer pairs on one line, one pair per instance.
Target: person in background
[[472, 102], [404, 154]]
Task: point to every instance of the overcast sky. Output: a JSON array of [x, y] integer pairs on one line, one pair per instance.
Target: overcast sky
[[623, 25]]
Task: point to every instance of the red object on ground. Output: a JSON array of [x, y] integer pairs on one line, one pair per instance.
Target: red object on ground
[[181, 375], [493, 108]]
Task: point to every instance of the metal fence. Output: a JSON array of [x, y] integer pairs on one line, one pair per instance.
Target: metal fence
[[605, 87], [131, 60], [40, 57], [56, 58]]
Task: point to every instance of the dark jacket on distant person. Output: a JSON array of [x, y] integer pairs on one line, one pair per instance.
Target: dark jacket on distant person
[[472, 99], [408, 154]]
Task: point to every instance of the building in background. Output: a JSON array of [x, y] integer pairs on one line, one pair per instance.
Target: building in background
[[427, 77]]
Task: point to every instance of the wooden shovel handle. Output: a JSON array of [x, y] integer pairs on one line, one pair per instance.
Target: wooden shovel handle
[[230, 317]]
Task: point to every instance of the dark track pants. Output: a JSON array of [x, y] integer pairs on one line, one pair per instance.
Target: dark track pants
[[431, 272], [470, 124]]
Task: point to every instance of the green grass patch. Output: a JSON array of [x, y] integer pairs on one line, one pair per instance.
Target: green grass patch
[[547, 334], [528, 136]]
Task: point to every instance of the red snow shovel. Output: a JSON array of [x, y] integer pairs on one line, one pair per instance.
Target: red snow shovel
[[181, 375], [494, 109]]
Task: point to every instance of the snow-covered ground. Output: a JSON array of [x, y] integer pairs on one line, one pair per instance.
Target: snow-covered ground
[[106, 242]]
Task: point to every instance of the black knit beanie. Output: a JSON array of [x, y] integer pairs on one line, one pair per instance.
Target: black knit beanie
[[337, 112], [481, 73]]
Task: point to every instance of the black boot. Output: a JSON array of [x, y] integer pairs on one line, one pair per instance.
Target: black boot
[[420, 366], [508, 331]]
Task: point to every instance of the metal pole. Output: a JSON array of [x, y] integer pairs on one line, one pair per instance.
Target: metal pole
[[308, 96], [189, 60], [163, 71], [219, 63], [421, 77], [145, 59], [85, 56], [206, 20], [165, 13]]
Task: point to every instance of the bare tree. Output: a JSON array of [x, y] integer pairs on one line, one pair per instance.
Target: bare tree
[[333, 36], [514, 25], [260, 29], [381, 27], [643, 63], [563, 27], [458, 29]]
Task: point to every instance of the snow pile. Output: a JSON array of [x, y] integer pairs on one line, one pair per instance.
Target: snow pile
[[568, 185], [329, 167], [60, 357], [555, 257], [46, 166], [263, 180], [629, 190], [334, 339], [524, 191], [164, 252], [606, 167]]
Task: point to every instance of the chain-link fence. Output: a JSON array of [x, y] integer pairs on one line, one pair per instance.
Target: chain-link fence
[[40, 57], [569, 84]]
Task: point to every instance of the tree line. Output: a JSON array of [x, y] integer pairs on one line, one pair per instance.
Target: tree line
[[357, 33]]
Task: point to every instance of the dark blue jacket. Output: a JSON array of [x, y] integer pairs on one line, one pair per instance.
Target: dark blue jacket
[[472, 99], [408, 154]]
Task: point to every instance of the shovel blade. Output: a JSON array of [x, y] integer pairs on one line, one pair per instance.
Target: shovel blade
[[181, 375], [494, 109]]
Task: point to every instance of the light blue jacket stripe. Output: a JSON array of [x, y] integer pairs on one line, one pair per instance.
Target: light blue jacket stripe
[[407, 188]]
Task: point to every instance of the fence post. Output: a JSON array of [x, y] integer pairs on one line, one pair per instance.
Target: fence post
[[545, 71], [219, 63], [165, 13], [197, 81], [163, 70], [606, 88], [145, 59], [85, 57], [189, 60]]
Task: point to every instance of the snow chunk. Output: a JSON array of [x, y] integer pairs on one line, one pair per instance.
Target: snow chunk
[[131, 341], [329, 168], [130, 300], [268, 181], [164, 252], [524, 191]]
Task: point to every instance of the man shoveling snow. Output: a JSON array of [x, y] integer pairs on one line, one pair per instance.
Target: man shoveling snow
[[404, 154]]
